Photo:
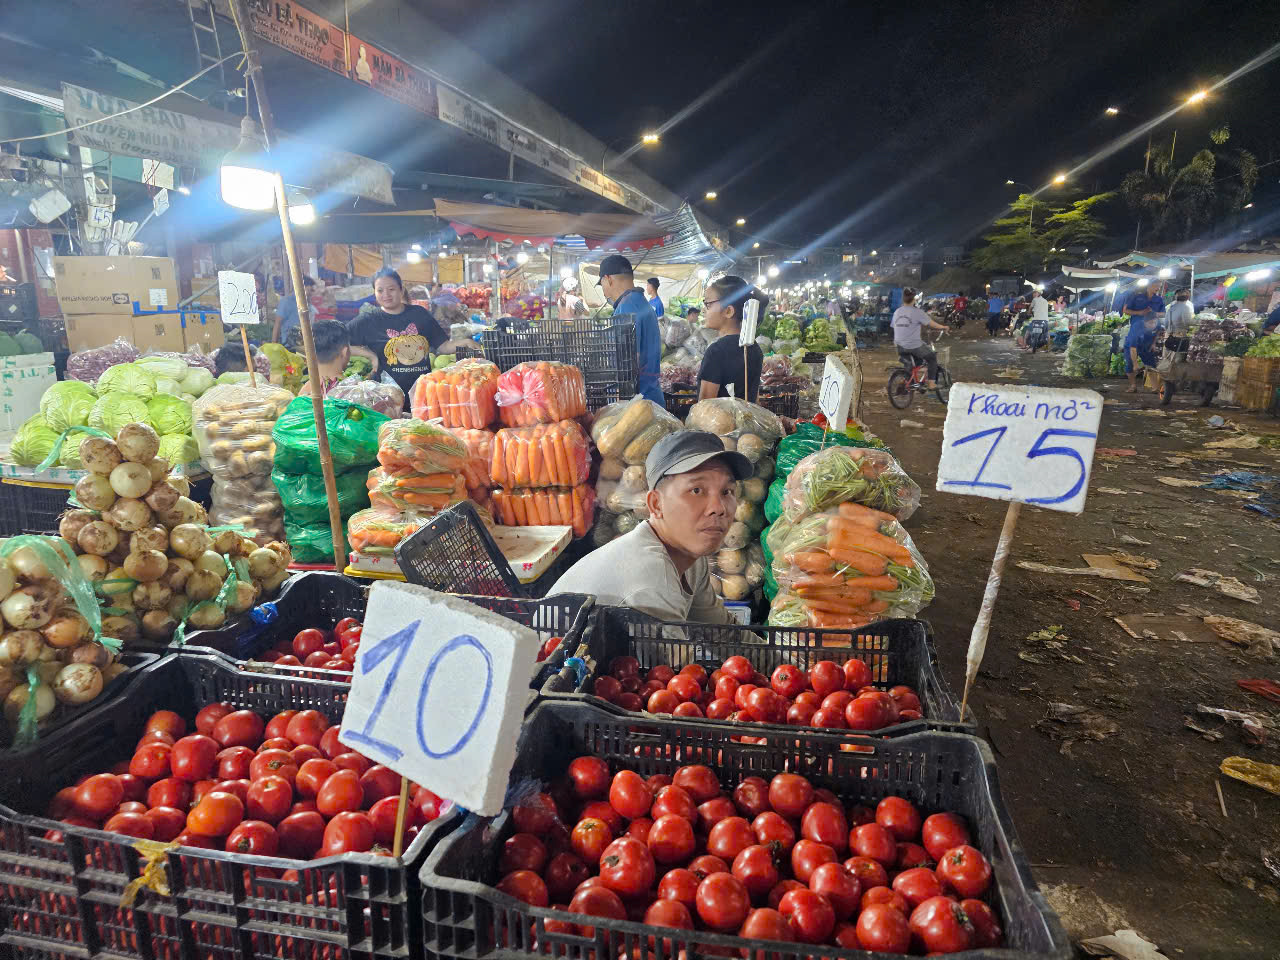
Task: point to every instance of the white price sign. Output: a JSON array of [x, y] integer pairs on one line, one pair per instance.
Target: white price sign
[[835, 394], [439, 692], [750, 318], [238, 296], [1029, 444]]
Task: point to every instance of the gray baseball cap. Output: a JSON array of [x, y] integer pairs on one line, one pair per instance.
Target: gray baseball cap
[[687, 450]]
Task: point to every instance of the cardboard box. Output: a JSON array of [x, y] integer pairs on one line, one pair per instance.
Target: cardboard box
[[209, 336], [23, 381], [104, 285], [159, 332]]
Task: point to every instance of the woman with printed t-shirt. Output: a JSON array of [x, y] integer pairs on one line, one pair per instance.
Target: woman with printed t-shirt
[[396, 336], [722, 364]]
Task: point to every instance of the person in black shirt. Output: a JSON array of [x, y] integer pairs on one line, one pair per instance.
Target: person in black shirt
[[396, 336], [722, 364]]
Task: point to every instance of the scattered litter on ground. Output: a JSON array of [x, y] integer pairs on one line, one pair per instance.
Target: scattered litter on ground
[[1070, 722], [1271, 860], [1205, 732], [973, 518], [1073, 604], [910, 423], [1253, 725], [1241, 441], [1162, 626], [1125, 538], [1008, 373], [1111, 490], [1258, 639], [1151, 413], [1179, 482], [1113, 572], [1132, 560], [1263, 688], [1261, 487], [1124, 945], [1115, 452], [1215, 422], [1228, 586], [1253, 772]]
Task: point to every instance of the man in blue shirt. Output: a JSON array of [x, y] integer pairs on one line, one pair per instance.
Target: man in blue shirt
[[1142, 332], [617, 280], [994, 306]]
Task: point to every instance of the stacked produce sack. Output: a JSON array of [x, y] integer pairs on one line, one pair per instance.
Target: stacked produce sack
[[624, 433], [233, 425], [353, 448], [1088, 355]]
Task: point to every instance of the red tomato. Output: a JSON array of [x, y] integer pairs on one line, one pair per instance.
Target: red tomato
[[629, 701], [765, 923], [318, 659], [193, 757], [874, 841], [155, 736], [629, 794], [241, 728], [188, 839], [597, 902], [278, 724], [828, 717], [838, 884], [726, 688], [917, 885], [729, 837], [668, 913], [275, 743], [790, 794], [751, 797], [166, 823], [303, 806], [801, 714], [302, 754], [714, 811], [607, 688], [942, 831], [986, 926], [826, 677], [765, 706], [807, 856], [825, 823], [312, 776], [348, 832], [268, 799], [627, 867], [199, 789], [942, 925], [857, 674], [886, 895], [378, 782], [883, 929], [624, 667], [858, 815], [62, 804], [771, 829], [680, 885], [240, 788], [564, 873], [209, 716], [301, 835], [671, 839], [865, 713], [788, 681], [520, 851], [754, 866], [166, 721], [810, 698], [384, 813], [965, 870], [589, 839], [899, 817], [905, 698], [662, 701], [307, 642], [352, 761], [906, 714], [590, 777], [719, 709], [662, 673], [347, 631], [216, 815], [705, 865], [673, 800], [837, 701], [340, 793], [640, 829], [685, 687], [98, 796], [150, 761], [912, 855], [744, 691], [697, 671], [700, 782], [524, 885], [255, 838], [288, 660], [135, 788], [131, 806], [537, 815], [810, 915], [781, 890], [603, 810], [131, 825], [308, 726], [273, 763], [722, 901], [739, 668], [233, 763]]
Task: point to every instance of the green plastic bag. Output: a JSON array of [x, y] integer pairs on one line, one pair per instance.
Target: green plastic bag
[[773, 502], [352, 429], [313, 543], [305, 501], [808, 439]]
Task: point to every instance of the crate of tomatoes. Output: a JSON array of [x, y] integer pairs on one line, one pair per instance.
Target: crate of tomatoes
[[210, 813], [796, 845], [884, 678]]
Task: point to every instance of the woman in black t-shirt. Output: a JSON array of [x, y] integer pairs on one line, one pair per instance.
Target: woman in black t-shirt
[[722, 364], [398, 337]]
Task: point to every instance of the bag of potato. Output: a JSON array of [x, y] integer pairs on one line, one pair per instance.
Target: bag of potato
[[627, 430], [746, 427]]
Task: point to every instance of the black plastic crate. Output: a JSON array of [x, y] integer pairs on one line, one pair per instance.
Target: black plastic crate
[[897, 651], [64, 897], [29, 507], [466, 917], [454, 553], [679, 404], [593, 346], [784, 402]]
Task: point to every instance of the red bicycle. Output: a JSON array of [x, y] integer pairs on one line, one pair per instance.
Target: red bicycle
[[910, 379]]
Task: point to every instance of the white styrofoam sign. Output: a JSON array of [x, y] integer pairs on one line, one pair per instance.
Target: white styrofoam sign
[[439, 692], [1030, 444], [835, 394], [750, 318], [238, 296]]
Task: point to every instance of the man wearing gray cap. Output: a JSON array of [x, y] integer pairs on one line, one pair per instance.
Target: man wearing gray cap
[[660, 567]]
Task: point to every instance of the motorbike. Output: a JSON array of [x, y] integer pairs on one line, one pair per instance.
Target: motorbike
[[1035, 335]]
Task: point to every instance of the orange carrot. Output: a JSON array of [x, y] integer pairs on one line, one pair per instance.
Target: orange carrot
[[533, 441], [562, 457], [832, 579], [580, 520], [548, 456], [810, 561], [876, 606], [564, 506], [872, 583], [835, 606], [851, 511], [872, 564], [861, 539]]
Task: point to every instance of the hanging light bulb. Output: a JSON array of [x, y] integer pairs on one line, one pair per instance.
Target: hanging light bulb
[[301, 210], [245, 175]]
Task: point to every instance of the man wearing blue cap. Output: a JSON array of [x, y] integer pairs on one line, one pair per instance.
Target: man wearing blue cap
[[617, 280]]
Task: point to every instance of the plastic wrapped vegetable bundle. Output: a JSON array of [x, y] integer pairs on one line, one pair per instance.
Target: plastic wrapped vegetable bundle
[[352, 431], [384, 397], [746, 427], [461, 395], [556, 506], [545, 455], [541, 392], [420, 447], [405, 490], [628, 429], [377, 532], [307, 503], [288, 369], [475, 471], [89, 365], [736, 572], [872, 478]]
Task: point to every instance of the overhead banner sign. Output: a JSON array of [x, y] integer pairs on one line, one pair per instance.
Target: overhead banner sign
[[392, 77], [301, 32], [466, 114], [182, 139]]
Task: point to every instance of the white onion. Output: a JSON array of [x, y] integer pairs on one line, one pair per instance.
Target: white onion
[[264, 563], [178, 570], [146, 566], [149, 538], [121, 627], [138, 443], [94, 491], [206, 616], [272, 584], [203, 585], [89, 652], [77, 683], [243, 597], [161, 497], [17, 699], [72, 521], [181, 484], [215, 563], [189, 541], [158, 625], [93, 567], [28, 609], [20, 647], [99, 455], [99, 538], [183, 511], [7, 580], [152, 596], [28, 566], [131, 480], [129, 515], [66, 630], [159, 468]]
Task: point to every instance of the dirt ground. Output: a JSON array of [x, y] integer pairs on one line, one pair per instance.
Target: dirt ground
[[1118, 812]]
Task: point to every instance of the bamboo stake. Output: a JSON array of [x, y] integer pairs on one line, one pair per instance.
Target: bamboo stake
[[978, 639], [401, 810], [253, 70], [248, 359]]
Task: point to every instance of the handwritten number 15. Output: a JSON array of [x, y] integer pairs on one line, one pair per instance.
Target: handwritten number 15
[[1038, 449]]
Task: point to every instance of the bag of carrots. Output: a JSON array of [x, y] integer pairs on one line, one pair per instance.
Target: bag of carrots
[[461, 395], [377, 532], [408, 490], [545, 455], [479, 444], [559, 506], [858, 475], [541, 392], [845, 568], [419, 446]]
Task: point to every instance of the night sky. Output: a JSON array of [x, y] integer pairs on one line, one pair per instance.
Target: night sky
[[881, 123]]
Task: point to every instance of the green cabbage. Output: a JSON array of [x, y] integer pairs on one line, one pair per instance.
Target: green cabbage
[[169, 414], [70, 454], [67, 404], [190, 398], [167, 385], [169, 367], [114, 410], [28, 342], [33, 442], [178, 448], [234, 376], [128, 378], [197, 381], [8, 346]]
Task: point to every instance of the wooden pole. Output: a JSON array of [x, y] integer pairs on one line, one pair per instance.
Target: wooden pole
[[401, 810], [978, 639], [248, 358], [240, 14], [745, 380]]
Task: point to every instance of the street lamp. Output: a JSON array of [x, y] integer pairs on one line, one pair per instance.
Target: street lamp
[[649, 139], [245, 175], [302, 211], [1112, 111], [874, 252], [774, 271], [1165, 273], [760, 279], [1249, 205], [1197, 96], [522, 258], [711, 195], [742, 221], [1253, 275], [413, 256], [756, 245], [1060, 179], [1143, 281]]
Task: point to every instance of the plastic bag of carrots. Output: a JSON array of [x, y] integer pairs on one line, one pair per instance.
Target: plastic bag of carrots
[[479, 444], [461, 395], [377, 532], [857, 475], [409, 490], [541, 392], [545, 455], [845, 568], [421, 447], [558, 506]]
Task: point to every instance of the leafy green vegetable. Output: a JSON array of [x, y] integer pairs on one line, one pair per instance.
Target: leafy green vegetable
[[33, 442], [178, 448], [1268, 346], [67, 404], [357, 366], [113, 410], [128, 378], [169, 414], [28, 342]]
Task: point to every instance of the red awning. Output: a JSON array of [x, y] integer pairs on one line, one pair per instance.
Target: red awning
[[609, 231]]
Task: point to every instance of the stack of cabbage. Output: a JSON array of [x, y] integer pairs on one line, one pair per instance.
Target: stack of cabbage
[[1088, 355]]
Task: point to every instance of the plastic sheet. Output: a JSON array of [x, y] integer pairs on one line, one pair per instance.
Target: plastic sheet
[[545, 455], [462, 395], [628, 429], [541, 392], [872, 478], [557, 506], [352, 431], [377, 532], [629, 493], [382, 396], [311, 543]]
